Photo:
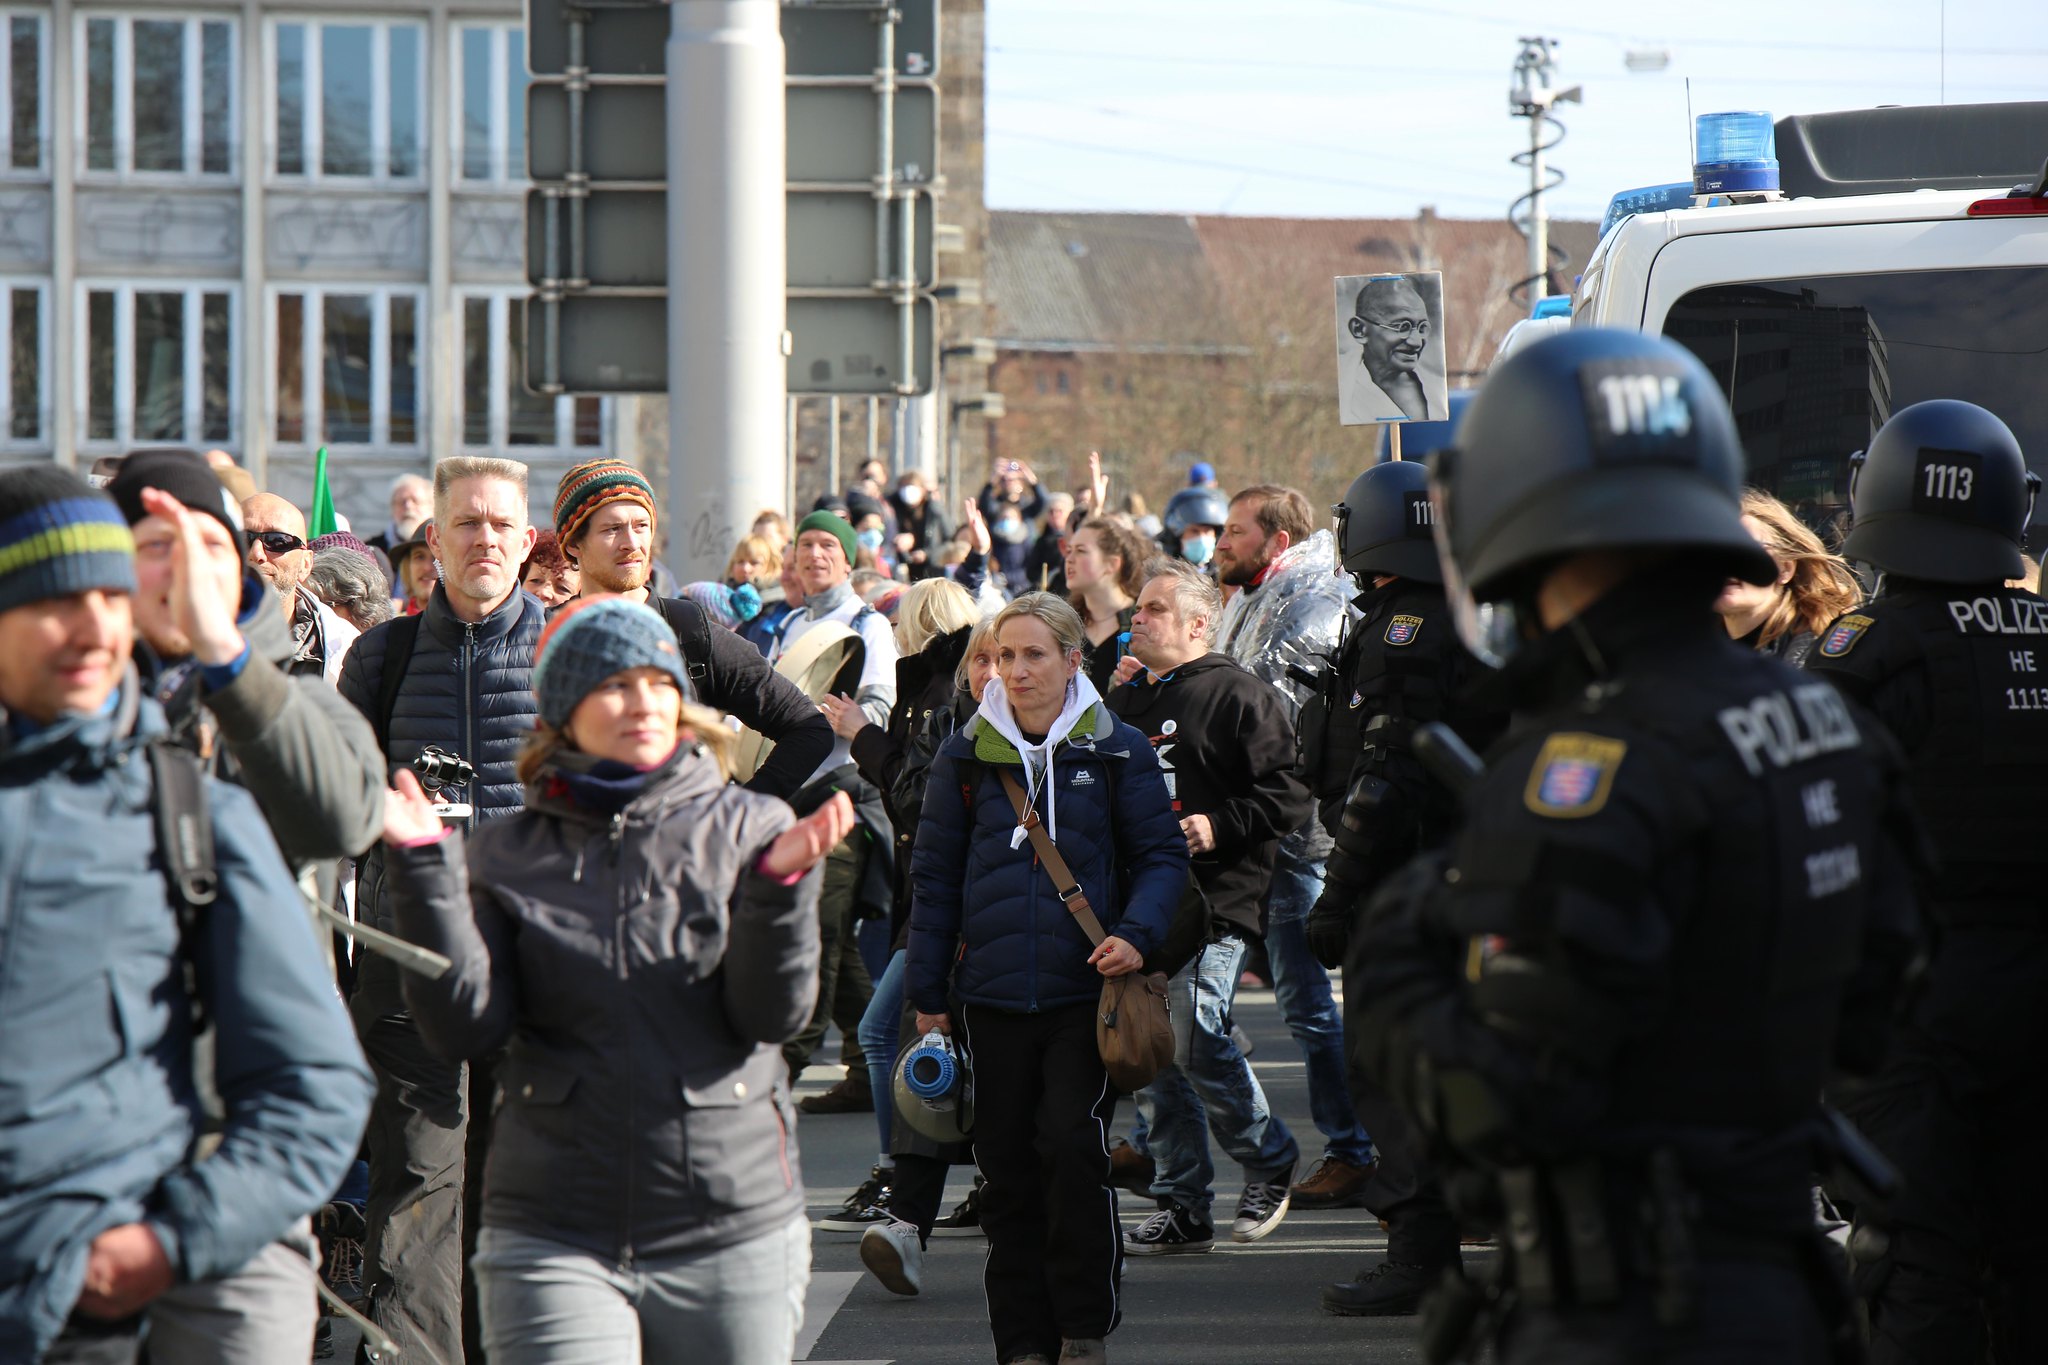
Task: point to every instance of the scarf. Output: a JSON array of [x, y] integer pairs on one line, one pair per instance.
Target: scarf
[[603, 785], [995, 709], [821, 604]]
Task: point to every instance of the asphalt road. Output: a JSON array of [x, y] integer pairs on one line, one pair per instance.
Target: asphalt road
[[1236, 1305]]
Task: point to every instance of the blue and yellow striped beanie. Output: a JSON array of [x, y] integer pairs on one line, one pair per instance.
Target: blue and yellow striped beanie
[[58, 536]]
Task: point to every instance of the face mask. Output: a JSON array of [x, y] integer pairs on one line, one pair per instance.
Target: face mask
[[870, 539], [1009, 528], [1197, 549], [910, 495]]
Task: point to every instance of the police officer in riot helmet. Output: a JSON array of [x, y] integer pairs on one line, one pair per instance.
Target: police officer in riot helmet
[[1677, 903], [1400, 666], [1956, 665], [1190, 523]]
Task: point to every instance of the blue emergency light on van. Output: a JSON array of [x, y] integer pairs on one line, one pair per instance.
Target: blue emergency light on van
[[1735, 153], [1648, 199], [1552, 306], [1419, 440]]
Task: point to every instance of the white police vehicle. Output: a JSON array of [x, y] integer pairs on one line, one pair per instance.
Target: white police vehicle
[[1832, 268]]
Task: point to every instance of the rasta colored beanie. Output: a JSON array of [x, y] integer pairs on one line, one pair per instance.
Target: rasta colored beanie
[[593, 638], [58, 536], [188, 478], [836, 524], [592, 485]]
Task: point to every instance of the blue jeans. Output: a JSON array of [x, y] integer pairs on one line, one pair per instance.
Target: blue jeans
[[1301, 987], [878, 1042], [1209, 1089]]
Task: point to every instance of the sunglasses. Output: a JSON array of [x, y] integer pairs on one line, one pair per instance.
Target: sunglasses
[[277, 542]]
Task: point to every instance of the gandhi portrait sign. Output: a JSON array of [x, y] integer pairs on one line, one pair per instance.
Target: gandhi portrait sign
[[1390, 348]]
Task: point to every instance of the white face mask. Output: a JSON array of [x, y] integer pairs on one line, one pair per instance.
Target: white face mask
[[910, 495]]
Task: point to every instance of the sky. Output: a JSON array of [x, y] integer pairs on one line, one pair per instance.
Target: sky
[[1375, 108]]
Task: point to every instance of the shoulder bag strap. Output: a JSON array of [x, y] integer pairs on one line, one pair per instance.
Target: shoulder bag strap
[[403, 637], [1063, 880]]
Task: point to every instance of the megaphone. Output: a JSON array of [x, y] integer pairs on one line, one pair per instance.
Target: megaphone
[[933, 1086]]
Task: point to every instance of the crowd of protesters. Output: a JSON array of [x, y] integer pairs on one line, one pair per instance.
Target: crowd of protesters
[[632, 830]]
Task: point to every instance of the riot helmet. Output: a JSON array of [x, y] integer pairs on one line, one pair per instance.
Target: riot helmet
[[1943, 494], [1195, 507], [1385, 524], [1594, 439]]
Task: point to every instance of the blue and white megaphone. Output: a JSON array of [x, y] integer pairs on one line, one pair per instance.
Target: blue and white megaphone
[[934, 1088]]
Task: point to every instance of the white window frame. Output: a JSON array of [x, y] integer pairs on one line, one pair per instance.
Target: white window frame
[[313, 391], [8, 170], [315, 24], [45, 412], [502, 301], [503, 173], [125, 288], [124, 96]]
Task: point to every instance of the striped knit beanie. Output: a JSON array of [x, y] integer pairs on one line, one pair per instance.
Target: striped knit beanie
[[592, 638], [592, 485], [58, 535]]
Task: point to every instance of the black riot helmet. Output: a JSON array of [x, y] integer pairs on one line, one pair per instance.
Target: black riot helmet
[[1942, 494], [1592, 439], [1194, 507], [1385, 522]]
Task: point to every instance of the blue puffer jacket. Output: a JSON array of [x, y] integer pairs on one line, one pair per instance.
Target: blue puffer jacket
[[98, 1108], [993, 908]]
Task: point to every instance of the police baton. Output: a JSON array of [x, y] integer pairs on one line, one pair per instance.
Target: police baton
[[1450, 760]]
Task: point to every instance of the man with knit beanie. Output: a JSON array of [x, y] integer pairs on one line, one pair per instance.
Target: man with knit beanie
[[605, 518], [106, 1214]]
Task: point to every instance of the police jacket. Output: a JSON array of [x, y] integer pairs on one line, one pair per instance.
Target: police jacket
[[641, 974], [1226, 750], [985, 915], [1960, 675], [1681, 895], [98, 1107]]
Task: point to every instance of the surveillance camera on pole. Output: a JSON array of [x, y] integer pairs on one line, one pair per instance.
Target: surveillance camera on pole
[[1533, 97]]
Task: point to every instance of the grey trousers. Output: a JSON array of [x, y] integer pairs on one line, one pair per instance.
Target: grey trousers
[[548, 1304], [262, 1314]]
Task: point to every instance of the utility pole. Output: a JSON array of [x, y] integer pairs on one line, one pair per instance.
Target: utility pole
[[1532, 98], [727, 254]]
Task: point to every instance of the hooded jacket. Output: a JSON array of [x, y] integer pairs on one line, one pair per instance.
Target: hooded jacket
[[985, 916], [641, 975], [1226, 748], [98, 1108]]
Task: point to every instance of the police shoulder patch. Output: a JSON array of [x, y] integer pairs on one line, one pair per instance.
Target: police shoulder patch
[[1402, 630], [1573, 775], [1843, 635]]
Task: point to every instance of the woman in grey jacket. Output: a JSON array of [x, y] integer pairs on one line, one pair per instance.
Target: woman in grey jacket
[[641, 939]]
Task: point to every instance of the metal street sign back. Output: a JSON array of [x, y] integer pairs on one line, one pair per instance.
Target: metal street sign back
[[854, 345], [601, 344], [629, 39], [625, 134], [831, 39]]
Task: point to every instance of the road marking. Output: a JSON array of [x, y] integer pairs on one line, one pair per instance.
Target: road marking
[[822, 1301]]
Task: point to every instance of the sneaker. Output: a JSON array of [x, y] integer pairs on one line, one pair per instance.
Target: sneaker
[[891, 1250], [1083, 1351], [1388, 1290], [845, 1097], [964, 1220], [1130, 1169], [340, 1227], [1261, 1207], [1333, 1183], [1173, 1231], [865, 1207]]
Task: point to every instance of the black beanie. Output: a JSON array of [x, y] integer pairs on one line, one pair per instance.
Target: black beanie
[[186, 476]]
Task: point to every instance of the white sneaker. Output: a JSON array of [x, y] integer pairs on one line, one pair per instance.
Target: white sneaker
[[891, 1250]]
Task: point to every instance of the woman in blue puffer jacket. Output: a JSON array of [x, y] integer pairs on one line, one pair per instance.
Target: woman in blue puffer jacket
[[996, 958]]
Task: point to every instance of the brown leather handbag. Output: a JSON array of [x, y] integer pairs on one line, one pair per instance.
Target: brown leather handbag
[[1131, 1028]]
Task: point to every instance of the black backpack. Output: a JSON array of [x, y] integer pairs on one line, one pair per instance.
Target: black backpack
[[184, 836]]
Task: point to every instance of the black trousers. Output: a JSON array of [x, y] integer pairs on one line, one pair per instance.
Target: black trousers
[[1405, 1190], [917, 1189], [1959, 1109], [1041, 1139], [1745, 1313]]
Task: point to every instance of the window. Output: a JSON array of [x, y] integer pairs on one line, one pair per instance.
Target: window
[[159, 95], [347, 366], [490, 102], [497, 411], [25, 314], [159, 363], [348, 99], [23, 59]]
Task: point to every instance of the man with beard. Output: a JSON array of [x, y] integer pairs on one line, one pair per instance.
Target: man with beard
[[1391, 324], [278, 551], [605, 519]]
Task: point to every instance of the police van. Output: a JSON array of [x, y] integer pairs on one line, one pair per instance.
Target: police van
[[1831, 269]]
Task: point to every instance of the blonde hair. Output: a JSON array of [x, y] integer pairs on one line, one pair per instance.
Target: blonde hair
[[706, 726], [984, 637], [931, 607], [1054, 613], [761, 552], [1821, 587], [456, 468]]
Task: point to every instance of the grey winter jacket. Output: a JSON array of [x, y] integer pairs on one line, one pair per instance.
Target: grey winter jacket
[[98, 1109], [641, 974], [303, 752]]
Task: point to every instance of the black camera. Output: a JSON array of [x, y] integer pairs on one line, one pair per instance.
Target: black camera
[[437, 768]]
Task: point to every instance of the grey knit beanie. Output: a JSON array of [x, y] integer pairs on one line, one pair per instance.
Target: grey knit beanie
[[593, 638]]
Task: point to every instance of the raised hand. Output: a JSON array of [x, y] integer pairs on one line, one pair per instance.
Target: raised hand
[[804, 845]]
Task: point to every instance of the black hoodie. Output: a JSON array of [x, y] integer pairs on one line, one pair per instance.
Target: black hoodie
[[1227, 748]]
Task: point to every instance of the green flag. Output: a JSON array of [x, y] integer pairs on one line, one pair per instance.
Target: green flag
[[320, 521]]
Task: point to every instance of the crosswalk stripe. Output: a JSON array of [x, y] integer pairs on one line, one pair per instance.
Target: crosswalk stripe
[[822, 1301]]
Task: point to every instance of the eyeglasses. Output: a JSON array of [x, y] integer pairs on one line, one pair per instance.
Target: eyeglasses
[[1406, 327], [277, 542]]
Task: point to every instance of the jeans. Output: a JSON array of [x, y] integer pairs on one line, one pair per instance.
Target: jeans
[[263, 1313], [549, 1304], [878, 1042], [1209, 1076], [1301, 987]]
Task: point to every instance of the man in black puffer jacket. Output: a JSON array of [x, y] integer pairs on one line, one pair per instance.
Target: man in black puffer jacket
[[458, 676]]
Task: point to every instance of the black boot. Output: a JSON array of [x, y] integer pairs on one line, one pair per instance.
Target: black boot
[[1388, 1290]]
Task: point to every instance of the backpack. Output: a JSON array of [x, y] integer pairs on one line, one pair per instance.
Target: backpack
[[184, 837]]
